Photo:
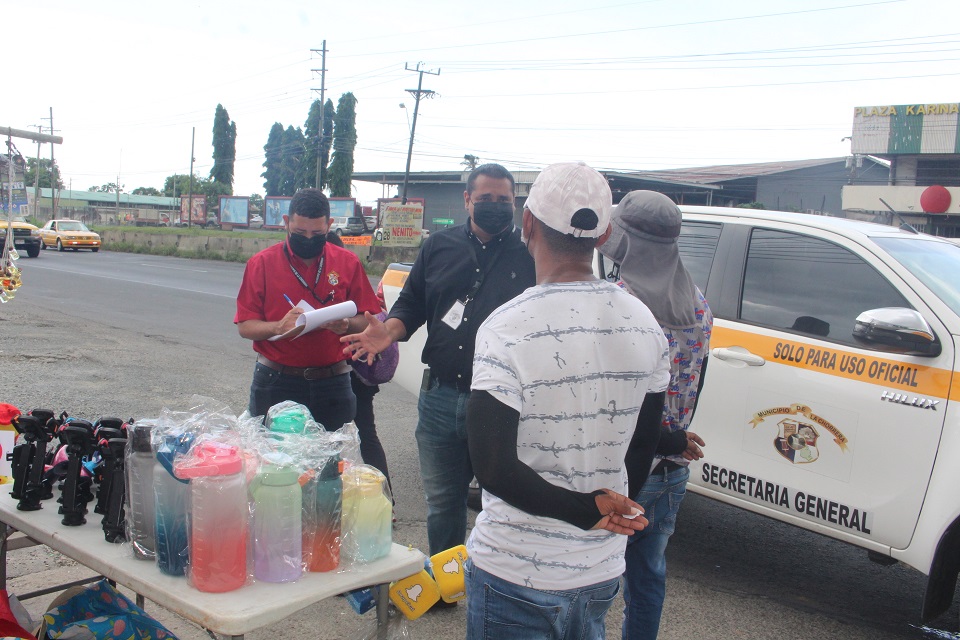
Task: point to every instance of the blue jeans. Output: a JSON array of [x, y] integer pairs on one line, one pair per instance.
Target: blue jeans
[[645, 580], [500, 610], [330, 400], [444, 463]]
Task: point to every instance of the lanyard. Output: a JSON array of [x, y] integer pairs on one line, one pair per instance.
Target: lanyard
[[304, 282], [483, 272]]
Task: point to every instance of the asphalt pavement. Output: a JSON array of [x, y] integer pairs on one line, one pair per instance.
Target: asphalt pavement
[[126, 335]]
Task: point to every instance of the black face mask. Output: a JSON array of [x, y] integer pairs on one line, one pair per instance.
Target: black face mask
[[493, 217], [305, 247]]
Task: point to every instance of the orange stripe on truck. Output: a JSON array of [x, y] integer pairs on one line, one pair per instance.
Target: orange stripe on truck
[[392, 278], [908, 376]]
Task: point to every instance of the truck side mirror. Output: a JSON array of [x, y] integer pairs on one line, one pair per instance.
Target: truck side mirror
[[897, 329]]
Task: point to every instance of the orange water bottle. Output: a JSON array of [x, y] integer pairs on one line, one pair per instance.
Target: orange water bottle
[[322, 506]]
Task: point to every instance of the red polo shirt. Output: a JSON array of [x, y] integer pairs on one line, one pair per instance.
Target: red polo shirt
[[268, 276]]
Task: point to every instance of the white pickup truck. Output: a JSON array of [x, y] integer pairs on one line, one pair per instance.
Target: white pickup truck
[[828, 400]]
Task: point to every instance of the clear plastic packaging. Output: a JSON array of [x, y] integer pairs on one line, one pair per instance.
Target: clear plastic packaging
[[141, 505], [367, 515], [219, 511], [277, 519]]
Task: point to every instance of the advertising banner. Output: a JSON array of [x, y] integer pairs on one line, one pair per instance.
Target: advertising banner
[[342, 207], [199, 209], [274, 208], [19, 192], [233, 210], [402, 224]]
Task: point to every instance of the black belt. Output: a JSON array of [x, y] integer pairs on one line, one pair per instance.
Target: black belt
[[461, 385], [308, 373], [666, 466]]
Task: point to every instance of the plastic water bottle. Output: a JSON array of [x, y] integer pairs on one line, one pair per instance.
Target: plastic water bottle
[[367, 515], [277, 509], [172, 499], [322, 505], [141, 510], [218, 502]]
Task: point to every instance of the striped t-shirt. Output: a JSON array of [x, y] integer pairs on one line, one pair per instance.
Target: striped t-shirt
[[575, 360]]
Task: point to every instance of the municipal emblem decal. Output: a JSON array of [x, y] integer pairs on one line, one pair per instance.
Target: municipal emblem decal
[[797, 441], [797, 432], [333, 278]]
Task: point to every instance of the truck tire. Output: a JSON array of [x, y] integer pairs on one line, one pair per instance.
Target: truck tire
[[33, 251]]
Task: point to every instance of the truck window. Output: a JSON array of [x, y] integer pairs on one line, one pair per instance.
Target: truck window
[[698, 245], [810, 286]]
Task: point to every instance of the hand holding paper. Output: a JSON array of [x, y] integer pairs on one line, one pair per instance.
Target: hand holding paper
[[314, 318]]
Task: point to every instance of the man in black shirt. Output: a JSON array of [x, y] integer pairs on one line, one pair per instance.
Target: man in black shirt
[[461, 275]]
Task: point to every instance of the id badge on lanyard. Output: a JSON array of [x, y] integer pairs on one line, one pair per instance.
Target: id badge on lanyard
[[454, 316]]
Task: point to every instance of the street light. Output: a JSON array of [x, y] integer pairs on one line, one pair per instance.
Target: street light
[[404, 107]]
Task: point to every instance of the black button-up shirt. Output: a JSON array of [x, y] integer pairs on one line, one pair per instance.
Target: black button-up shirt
[[448, 267]]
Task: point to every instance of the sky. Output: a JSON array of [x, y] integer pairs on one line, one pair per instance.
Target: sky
[[646, 85]]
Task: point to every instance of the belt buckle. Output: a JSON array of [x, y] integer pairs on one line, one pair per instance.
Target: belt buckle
[[315, 373]]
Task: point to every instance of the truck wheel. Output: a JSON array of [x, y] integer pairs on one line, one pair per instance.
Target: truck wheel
[[33, 251], [95, 249]]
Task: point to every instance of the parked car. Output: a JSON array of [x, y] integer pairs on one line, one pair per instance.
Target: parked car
[[26, 236], [347, 226], [68, 234], [828, 400]]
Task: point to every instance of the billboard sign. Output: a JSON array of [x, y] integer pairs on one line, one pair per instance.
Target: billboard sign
[[342, 207], [402, 224], [274, 208], [19, 192], [233, 210], [199, 209], [909, 129]]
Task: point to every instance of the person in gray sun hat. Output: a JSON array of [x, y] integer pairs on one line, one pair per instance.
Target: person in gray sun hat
[[643, 245]]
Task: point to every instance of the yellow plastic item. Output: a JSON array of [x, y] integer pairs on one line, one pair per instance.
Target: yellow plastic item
[[8, 436], [415, 594], [448, 572]]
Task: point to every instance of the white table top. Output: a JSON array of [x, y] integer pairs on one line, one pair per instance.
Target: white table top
[[234, 613]]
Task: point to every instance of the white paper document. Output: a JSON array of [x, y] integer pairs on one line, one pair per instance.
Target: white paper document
[[313, 318]]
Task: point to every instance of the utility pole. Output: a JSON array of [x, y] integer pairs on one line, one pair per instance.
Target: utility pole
[[419, 93], [190, 196], [36, 180], [53, 177], [323, 105]]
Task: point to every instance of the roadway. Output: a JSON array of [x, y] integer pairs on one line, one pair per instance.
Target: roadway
[[128, 335]]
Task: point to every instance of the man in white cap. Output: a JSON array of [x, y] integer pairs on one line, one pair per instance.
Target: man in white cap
[[560, 375], [643, 246]]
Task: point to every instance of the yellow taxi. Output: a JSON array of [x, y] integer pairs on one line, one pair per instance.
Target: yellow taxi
[[68, 234]]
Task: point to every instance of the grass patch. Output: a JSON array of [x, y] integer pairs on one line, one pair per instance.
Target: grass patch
[[128, 247]]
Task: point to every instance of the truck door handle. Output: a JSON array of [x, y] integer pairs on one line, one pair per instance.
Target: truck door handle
[[737, 354]]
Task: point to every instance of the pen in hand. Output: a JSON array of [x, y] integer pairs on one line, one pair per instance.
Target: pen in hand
[[287, 298]]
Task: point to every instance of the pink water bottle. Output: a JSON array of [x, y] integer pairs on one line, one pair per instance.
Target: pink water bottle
[[218, 532]]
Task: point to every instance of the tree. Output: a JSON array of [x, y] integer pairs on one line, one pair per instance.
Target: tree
[[110, 187], [178, 186], [344, 142], [273, 152], [31, 172], [255, 203], [146, 191], [224, 148], [292, 149], [311, 135], [470, 162]]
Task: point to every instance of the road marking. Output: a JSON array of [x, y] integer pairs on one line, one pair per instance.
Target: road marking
[[160, 266], [149, 284]]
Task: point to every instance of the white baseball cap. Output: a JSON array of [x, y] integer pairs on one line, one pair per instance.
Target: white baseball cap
[[571, 198]]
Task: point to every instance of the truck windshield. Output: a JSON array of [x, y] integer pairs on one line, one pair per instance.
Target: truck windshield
[[933, 263]]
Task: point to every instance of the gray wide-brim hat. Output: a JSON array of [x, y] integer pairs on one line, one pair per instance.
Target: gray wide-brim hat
[[643, 241]]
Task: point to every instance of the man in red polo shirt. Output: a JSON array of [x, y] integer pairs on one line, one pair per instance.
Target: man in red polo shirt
[[310, 370]]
